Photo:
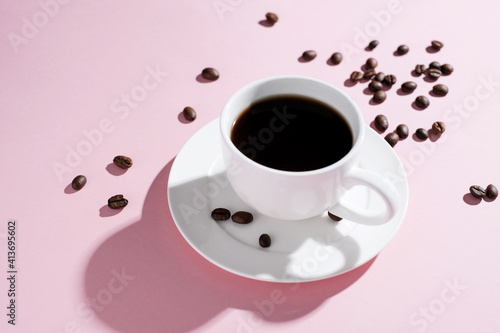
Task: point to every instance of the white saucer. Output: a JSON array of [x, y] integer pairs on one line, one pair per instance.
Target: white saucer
[[305, 250]]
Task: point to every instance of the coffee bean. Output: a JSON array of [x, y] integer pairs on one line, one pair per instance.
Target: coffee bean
[[381, 122], [390, 79], [438, 127], [447, 69], [422, 134], [189, 113], [221, 214], [402, 131], [122, 162], [392, 139], [477, 191], [371, 63], [373, 44], [435, 65], [403, 49], [336, 58], [422, 102], [79, 182], [309, 55], [271, 18], [420, 69], [375, 86], [242, 217], [117, 202], [433, 73], [334, 217], [436, 45], [440, 89], [356, 76], [409, 86], [369, 74], [379, 77], [491, 192], [265, 240], [210, 73], [379, 96]]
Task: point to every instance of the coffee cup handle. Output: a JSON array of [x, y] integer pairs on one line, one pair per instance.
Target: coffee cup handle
[[380, 184]]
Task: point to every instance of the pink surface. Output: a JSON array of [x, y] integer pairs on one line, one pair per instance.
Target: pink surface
[[63, 88]]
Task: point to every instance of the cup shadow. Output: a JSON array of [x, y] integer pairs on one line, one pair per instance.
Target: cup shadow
[[172, 288]]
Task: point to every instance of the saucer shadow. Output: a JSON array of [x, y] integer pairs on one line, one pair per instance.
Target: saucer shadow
[[201, 79], [471, 200], [171, 288], [114, 170], [266, 23], [69, 189]]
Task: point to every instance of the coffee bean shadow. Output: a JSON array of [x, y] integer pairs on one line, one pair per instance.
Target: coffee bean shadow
[[471, 200], [114, 170], [386, 87], [401, 92], [416, 107], [363, 68], [105, 211], [183, 119], [368, 92], [415, 74], [488, 199], [430, 49], [301, 59], [266, 23], [396, 54], [429, 79], [372, 125], [433, 94], [171, 288], [69, 189], [416, 138], [433, 135], [201, 79], [329, 62], [368, 49], [349, 83], [372, 102]]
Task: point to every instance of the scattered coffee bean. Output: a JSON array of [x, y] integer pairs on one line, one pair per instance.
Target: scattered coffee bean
[[334, 217], [436, 45], [373, 44], [189, 113], [375, 86], [371, 63], [356, 76], [403, 49], [422, 134], [438, 127], [409, 86], [221, 214], [379, 77], [379, 96], [390, 79], [392, 139], [477, 191], [447, 69], [117, 202], [434, 73], [402, 131], [440, 89], [435, 65], [309, 55], [265, 240], [242, 217], [271, 18], [369, 74], [210, 73], [122, 162], [422, 102], [79, 182], [336, 58], [491, 192], [420, 69], [381, 122]]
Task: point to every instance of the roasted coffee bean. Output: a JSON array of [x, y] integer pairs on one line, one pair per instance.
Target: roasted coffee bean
[[356, 76], [409, 86], [381, 122], [336, 58], [402, 131], [392, 139], [422, 134], [117, 202], [477, 191], [371, 63], [422, 102], [447, 69], [221, 214], [242, 217], [390, 79], [189, 113], [369, 74], [491, 192], [379, 96], [379, 77], [403, 49], [122, 162], [265, 240], [440, 89], [420, 69], [373, 44], [436, 45], [271, 18], [434, 73], [435, 65], [334, 217], [375, 86], [79, 182], [210, 73], [438, 127], [309, 55]]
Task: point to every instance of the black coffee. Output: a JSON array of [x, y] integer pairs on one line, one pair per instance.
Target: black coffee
[[292, 133]]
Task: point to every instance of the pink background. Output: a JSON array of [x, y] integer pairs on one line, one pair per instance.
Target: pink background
[[66, 77]]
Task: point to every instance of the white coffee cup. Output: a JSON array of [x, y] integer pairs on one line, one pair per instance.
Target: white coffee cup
[[291, 195]]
